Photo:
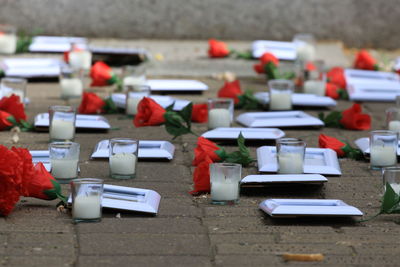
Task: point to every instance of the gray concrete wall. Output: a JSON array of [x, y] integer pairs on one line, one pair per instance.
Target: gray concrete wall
[[358, 23]]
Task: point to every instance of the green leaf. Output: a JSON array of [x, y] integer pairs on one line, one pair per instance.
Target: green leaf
[[186, 114], [12, 120], [248, 101], [26, 126], [243, 55], [332, 119], [174, 124], [23, 43], [242, 156], [271, 71], [390, 200], [55, 192], [221, 154], [170, 107], [110, 107], [343, 94], [353, 153]]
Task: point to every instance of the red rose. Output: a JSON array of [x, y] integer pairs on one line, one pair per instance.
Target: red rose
[[200, 113], [265, 59], [326, 141], [205, 149], [365, 61], [91, 104], [353, 119], [102, 74], [13, 105], [217, 49], [25, 169], [4, 122], [149, 113], [310, 66], [331, 90], [231, 90], [201, 177], [336, 76]]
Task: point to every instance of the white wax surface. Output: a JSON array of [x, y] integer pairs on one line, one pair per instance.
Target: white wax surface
[[123, 163], [131, 80], [394, 126], [224, 191], [71, 87], [64, 168], [219, 117], [290, 163], [383, 156], [86, 207], [131, 105], [62, 130], [8, 43], [80, 59], [314, 87], [280, 101], [305, 52]]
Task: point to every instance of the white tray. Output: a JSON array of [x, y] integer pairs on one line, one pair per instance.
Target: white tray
[[278, 119], [176, 85], [164, 101], [284, 179], [363, 145], [129, 198], [55, 44], [384, 91], [306, 100], [248, 133], [317, 160], [31, 67], [282, 50], [82, 121], [354, 76], [147, 150], [308, 207]]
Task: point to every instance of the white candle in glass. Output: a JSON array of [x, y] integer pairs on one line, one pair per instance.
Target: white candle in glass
[[86, 207], [80, 59], [62, 130], [314, 87], [123, 163], [72, 87], [280, 101], [290, 163], [394, 126], [383, 156], [305, 52], [8, 43], [64, 168], [224, 191], [131, 105], [134, 80], [219, 117]]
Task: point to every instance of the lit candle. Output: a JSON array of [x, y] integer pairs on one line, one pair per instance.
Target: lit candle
[[394, 126], [62, 130], [72, 87], [383, 156], [86, 207], [290, 163], [131, 105], [134, 80], [81, 59], [314, 87], [280, 101], [64, 168], [123, 163], [224, 191], [219, 117], [8, 43], [305, 52]]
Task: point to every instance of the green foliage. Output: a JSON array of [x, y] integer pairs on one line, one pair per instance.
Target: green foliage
[[332, 119], [248, 101], [110, 107], [178, 123], [242, 156]]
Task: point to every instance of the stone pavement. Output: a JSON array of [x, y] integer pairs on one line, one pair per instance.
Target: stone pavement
[[189, 231]]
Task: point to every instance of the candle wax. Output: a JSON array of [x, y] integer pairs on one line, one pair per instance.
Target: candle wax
[[314, 87], [71, 87], [86, 207], [219, 117], [80, 59], [221, 191], [8, 43], [123, 163], [62, 130], [383, 156], [131, 105], [134, 80], [394, 126], [305, 52], [64, 168], [290, 163], [280, 101]]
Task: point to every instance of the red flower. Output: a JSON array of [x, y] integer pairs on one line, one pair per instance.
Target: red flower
[[265, 59], [149, 113], [200, 113], [336, 76], [326, 141], [310, 66], [365, 61], [13, 105], [331, 90], [201, 177], [353, 119], [101, 74], [231, 90], [217, 49], [4, 122], [91, 104], [205, 149]]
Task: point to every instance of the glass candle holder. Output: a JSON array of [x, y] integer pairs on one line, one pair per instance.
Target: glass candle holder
[[8, 39], [79, 57], [16, 86], [225, 179], [305, 47], [393, 119], [71, 82], [391, 175], [315, 80], [134, 95], [383, 149], [133, 75], [64, 158], [280, 94], [220, 112], [62, 123], [290, 155], [87, 194], [123, 158]]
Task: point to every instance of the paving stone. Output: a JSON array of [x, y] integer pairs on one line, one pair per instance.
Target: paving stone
[[39, 261]]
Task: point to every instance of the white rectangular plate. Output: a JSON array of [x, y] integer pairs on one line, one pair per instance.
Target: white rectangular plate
[[129, 198], [31, 67], [248, 133], [284, 179], [363, 145], [164, 101], [317, 160], [308, 207], [306, 100], [278, 119], [384, 91], [82, 121], [176, 85], [354, 76], [55, 44], [147, 150], [282, 50]]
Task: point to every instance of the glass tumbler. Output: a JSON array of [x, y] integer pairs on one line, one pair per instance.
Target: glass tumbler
[[383, 149], [134, 95], [391, 176], [87, 194], [305, 47], [393, 119], [8, 39], [16, 86], [133, 75], [64, 159], [62, 123], [280, 94], [290, 155], [220, 112], [71, 82], [225, 183], [315, 79], [123, 158]]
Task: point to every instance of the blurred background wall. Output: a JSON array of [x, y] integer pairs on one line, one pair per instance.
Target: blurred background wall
[[358, 23]]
